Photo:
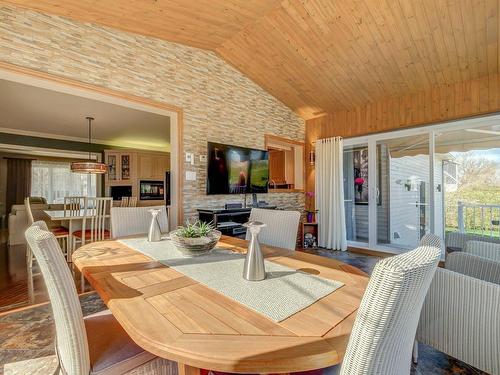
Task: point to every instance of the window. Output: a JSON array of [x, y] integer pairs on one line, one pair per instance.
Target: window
[[440, 179], [54, 181]]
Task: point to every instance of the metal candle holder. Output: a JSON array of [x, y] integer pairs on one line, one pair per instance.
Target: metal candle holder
[[154, 233], [254, 269]]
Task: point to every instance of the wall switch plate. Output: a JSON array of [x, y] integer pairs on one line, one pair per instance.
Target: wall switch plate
[[203, 158], [190, 158], [190, 176]]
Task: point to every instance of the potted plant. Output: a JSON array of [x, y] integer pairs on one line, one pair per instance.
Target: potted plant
[[310, 211], [358, 182], [196, 238]]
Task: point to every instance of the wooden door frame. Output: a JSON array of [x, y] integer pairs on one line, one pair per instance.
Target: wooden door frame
[[176, 135]]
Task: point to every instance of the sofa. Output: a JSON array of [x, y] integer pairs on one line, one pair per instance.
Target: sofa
[[18, 221]]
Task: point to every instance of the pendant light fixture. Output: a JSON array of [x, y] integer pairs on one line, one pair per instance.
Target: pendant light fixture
[[90, 166]]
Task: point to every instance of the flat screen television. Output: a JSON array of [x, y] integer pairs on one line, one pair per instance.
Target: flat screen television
[[236, 170]]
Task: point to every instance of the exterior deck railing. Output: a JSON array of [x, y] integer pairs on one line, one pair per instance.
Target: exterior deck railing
[[481, 219]]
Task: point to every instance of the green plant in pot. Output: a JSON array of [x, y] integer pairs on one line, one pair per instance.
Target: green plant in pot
[[195, 238]]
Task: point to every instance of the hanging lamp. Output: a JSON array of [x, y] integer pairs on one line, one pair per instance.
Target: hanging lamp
[[90, 166]]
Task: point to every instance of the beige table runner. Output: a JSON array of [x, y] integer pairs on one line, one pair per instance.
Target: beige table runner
[[284, 292]]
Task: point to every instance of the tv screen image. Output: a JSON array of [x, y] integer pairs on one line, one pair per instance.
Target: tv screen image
[[236, 170], [239, 169]]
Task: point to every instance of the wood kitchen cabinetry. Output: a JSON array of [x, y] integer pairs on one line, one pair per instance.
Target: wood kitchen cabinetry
[[152, 166], [128, 168], [121, 167]]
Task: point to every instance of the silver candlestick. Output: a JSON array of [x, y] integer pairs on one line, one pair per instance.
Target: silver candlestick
[[254, 269], [154, 233]]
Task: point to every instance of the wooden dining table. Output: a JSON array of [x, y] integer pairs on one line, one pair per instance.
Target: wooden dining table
[[180, 319]]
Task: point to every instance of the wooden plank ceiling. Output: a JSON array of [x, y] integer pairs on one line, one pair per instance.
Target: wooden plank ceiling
[[319, 56]]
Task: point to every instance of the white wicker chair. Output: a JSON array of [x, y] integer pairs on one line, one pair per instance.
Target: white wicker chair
[[458, 240], [93, 345], [460, 315], [431, 240], [382, 338], [281, 230], [483, 249], [128, 221]]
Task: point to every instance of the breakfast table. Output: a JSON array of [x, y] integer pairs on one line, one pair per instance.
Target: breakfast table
[[70, 216], [182, 310]]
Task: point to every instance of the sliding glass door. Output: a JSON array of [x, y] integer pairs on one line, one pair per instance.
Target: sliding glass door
[[471, 180], [402, 202], [401, 185], [356, 192]]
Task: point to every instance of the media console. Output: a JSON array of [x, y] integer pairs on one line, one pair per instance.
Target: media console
[[229, 220]]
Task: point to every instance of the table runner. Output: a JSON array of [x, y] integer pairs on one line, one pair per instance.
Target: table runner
[[284, 292]]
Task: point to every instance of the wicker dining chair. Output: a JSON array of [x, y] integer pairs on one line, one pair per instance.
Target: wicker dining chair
[[383, 334], [281, 227], [96, 344], [432, 240], [128, 221], [382, 338]]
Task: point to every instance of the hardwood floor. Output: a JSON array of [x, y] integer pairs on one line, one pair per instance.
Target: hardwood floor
[[16, 289]]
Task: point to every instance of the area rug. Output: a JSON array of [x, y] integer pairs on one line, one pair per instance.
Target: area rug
[[29, 333]]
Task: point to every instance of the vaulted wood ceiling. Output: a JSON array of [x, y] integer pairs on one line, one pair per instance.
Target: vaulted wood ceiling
[[319, 55]]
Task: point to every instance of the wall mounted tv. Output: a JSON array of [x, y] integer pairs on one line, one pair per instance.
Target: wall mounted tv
[[236, 170]]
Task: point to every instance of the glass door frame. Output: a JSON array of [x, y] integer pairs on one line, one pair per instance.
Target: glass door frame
[[431, 131], [352, 146]]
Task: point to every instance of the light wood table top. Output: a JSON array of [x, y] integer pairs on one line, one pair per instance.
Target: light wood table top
[[176, 317]]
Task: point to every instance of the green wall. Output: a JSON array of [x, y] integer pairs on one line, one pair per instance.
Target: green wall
[[23, 140]]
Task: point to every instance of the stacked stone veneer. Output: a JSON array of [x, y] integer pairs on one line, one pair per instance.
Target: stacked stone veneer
[[219, 103]]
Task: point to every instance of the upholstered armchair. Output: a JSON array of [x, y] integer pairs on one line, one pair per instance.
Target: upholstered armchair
[[460, 315]]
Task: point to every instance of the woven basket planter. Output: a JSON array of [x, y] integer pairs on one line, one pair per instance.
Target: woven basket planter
[[195, 246]]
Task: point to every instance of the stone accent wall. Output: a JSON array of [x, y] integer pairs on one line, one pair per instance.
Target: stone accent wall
[[220, 103]]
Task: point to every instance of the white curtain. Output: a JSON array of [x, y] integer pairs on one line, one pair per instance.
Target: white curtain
[[330, 193], [54, 181]]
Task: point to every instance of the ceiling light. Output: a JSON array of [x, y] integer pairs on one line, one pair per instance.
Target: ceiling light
[[89, 166]]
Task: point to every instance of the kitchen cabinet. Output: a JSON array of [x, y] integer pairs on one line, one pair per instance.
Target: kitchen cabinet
[[152, 166], [121, 166], [129, 167]]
